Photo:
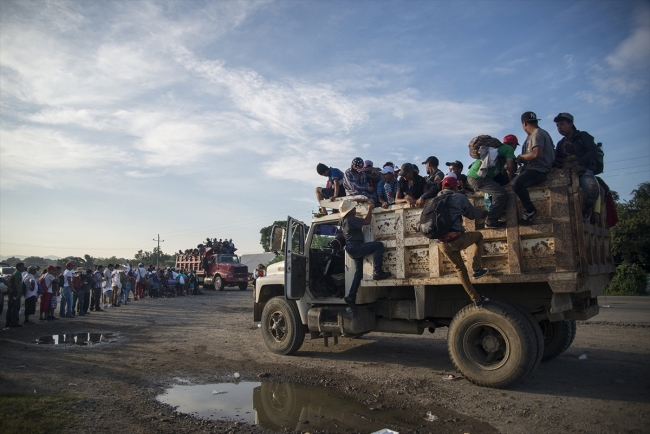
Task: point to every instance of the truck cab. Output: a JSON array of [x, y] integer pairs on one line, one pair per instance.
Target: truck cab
[[542, 279], [220, 270]]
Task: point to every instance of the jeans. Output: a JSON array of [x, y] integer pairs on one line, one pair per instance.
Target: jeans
[[452, 252], [357, 253], [86, 302], [78, 301], [66, 302], [590, 187], [95, 302], [498, 193], [13, 307], [523, 181], [126, 290]]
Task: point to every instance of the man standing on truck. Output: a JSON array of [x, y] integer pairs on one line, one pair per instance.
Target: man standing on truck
[[457, 239], [352, 227], [577, 151], [537, 158]]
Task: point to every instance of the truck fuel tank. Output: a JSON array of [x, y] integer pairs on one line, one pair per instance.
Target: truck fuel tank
[[336, 319]]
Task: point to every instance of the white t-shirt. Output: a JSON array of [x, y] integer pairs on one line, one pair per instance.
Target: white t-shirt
[[66, 274], [49, 278], [27, 280], [116, 278], [107, 283], [181, 280], [139, 274]]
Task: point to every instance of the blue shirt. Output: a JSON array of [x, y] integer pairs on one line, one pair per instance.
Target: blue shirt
[[335, 174], [381, 189]]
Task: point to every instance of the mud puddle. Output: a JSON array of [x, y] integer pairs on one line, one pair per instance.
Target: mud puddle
[[82, 339], [284, 405]]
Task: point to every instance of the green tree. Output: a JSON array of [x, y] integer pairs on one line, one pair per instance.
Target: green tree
[[265, 233], [13, 261], [149, 258], [36, 261], [629, 279], [631, 236]]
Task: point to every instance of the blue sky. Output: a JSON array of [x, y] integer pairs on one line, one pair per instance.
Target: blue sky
[[122, 120]]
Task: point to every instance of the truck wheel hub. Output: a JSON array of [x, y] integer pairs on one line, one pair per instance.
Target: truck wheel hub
[[490, 344], [277, 326]]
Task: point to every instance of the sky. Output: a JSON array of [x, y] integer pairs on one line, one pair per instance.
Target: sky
[[122, 120]]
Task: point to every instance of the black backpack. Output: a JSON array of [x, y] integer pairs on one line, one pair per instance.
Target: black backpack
[[599, 161], [435, 220], [338, 243]]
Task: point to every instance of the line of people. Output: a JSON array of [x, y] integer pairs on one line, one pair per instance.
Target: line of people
[[77, 291]]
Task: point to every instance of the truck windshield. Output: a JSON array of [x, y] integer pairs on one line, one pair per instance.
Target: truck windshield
[[323, 235], [228, 258]]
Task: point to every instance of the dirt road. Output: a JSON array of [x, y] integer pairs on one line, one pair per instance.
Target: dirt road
[[206, 339]]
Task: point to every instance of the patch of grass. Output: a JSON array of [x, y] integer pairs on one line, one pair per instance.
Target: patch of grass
[[22, 413]]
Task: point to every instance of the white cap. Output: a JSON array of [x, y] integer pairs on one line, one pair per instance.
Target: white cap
[[387, 169]]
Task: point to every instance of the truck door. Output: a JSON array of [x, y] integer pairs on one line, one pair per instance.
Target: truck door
[[295, 266]]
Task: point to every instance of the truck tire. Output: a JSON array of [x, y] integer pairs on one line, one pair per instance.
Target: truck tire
[[535, 329], [493, 345], [218, 282], [280, 405], [243, 286], [558, 337], [282, 328]]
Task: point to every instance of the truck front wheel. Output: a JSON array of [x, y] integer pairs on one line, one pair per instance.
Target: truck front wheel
[[218, 282], [558, 337], [493, 345], [282, 328], [243, 286]]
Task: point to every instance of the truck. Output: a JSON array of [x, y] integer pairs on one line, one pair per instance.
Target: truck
[[542, 278], [219, 270]]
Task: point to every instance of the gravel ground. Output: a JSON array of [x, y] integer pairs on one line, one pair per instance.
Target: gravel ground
[[206, 339]]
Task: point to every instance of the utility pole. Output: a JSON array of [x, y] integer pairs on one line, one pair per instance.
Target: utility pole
[[158, 251]]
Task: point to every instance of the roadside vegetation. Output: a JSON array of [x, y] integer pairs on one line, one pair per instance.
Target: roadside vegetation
[[22, 413]]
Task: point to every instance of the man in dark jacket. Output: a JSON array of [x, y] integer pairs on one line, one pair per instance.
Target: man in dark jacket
[[357, 248], [577, 151], [457, 239], [16, 290]]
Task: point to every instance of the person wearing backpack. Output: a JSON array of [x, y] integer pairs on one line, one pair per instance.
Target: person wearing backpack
[[457, 239], [578, 151], [357, 249], [66, 291]]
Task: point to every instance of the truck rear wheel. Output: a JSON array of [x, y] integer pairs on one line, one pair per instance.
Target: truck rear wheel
[[282, 328], [493, 345], [218, 282], [535, 329], [558, 337], [243, 286]]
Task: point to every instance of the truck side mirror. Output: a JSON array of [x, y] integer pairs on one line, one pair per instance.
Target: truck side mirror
[[277, 238]]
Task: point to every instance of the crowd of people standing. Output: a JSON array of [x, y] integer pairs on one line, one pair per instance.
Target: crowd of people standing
[[76, 291]]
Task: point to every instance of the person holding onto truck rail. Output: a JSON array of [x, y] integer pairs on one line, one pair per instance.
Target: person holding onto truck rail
[[387, 187], [411, 185], [356, 183], [458, 239], [334, 186], [537, 157], [577, 151], [357, 249]]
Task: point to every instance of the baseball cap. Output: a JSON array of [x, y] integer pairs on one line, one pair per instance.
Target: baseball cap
[[563, 116], [140, 264], [357, 164], [432, 161], [367, 163], [529, 116], [455, 163], [452, 175], [406, 168], [69, 264], [387, 169], [51, 268], [449, 182], [511, 138]]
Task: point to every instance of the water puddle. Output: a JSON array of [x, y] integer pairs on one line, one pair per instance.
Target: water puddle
[[283, 405], [83, 339]]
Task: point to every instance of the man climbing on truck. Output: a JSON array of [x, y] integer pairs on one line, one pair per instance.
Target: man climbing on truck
[[357, 249], [458, 239]]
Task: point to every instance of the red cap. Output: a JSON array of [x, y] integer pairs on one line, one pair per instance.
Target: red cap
[[51, 268], [511, 138], [449, 182], [69, 264]]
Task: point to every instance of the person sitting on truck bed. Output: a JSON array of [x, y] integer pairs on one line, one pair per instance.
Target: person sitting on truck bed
[[387, 188], [537, 158], [458, 239], [356, 183], [411, 185], [334, 186], [577, 151], [352, 227]]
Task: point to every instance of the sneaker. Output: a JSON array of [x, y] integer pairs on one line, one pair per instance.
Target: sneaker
[[479, 272], [350, 302], [110, 306], [481, 301], [28, 322], [527, 219], [381, 276], [586, 217], [99, 310], [495, 225]]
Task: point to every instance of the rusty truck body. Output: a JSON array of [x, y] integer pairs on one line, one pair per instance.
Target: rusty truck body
[[217, 269], [542, 278]]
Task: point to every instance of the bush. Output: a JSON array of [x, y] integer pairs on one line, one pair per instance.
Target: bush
[[629, 279]]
